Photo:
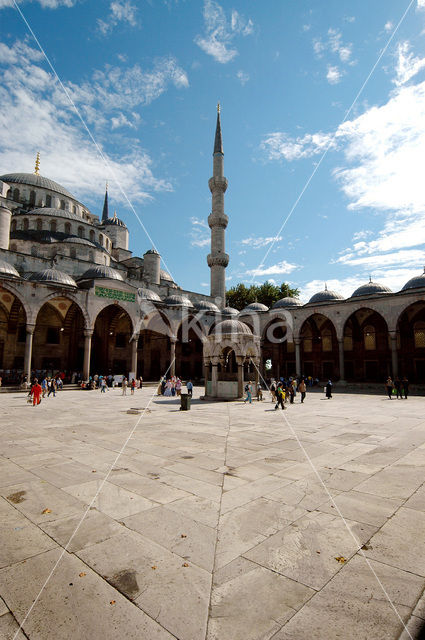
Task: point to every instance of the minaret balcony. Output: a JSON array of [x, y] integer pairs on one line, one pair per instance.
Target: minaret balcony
[[218, 220], [218, 260], [217, 182]]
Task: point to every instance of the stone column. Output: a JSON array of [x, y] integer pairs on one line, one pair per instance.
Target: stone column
[[173, 356], [394, 354], [214, 379], [341, 360], [240, 379], [87, 353], [30, 328], [206, 372], [298, 356], [134, 344]]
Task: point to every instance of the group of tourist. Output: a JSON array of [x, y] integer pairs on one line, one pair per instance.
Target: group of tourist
[[49, 386], [397, 387], [173, 387], [107, 382]]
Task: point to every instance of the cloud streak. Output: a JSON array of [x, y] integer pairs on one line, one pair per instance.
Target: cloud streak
[[220, 32]]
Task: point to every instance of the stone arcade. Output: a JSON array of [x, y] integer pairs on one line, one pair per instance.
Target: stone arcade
[[73, 297]]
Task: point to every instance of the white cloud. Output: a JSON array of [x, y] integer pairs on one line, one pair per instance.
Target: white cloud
[[35, 116], [119, 11], [407, 64], [388, 26], [280, 268], [242, 77], [259, 243], [333, 75], [411, 257], [220, 32], [421, 4], [123, 121], [200, 233], [45, 4], [279, 145]]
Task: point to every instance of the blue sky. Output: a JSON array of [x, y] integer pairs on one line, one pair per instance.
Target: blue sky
[[145, 77]]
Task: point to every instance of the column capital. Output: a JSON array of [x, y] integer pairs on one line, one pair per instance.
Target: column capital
[[30, 328], [88, 333], [135, 337]]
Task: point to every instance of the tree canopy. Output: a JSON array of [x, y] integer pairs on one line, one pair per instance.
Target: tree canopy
[[240, 296]]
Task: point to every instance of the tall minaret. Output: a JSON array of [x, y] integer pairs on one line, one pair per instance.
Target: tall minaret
[[105, 212], [217, 221]]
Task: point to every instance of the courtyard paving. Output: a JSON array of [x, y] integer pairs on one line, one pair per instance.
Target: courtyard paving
[[213, 523]]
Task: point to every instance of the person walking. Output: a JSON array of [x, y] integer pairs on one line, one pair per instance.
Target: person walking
[[397, 387], [178, 386], [389, 387], [280, 396], [302, 389], [248, 391], [36, 393], [124, 385], [103, 386], [259, 392], [405, 387], [329, 389], [291, 393], [189, 387], [273, 390], [140, 383], [52, 387], [132, 386]]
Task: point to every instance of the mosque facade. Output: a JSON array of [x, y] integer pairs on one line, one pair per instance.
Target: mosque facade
[[74, 298]]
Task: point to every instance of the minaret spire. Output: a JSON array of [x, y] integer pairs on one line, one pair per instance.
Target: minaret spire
[[105, 212], [217, 221]]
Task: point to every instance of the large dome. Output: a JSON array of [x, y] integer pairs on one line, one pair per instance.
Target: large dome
[[52, 276], [370, 289], [229, 311], [231, 327], [35, 180], [255, 306], [177, 301], [325, 296], [101, 271], [285, 303], [418, 282], [56, 213], [8, 270]]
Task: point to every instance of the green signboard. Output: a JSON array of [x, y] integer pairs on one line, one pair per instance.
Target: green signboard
[[115, 294]]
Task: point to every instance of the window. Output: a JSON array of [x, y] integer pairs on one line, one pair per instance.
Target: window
[[39, 224], [13, 227], [62, 204], [10, 194], [25, 224], [91, 257], [32, 197], [101, 239], [22, 333], [67, 228], [53, 225], [120, 340], [348, 339], [419, 334], [48, 200], [369, 338], [16, 195], [53, 335], [92, 235], [80, 232], [72, 253], [327, 340], [74, 209]]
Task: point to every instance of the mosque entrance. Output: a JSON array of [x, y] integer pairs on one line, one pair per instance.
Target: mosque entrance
[[111, 346]]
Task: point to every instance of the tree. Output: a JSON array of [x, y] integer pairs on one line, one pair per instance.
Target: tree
[[267, 293]]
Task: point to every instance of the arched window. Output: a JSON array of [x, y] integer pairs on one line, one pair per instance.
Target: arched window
[[101, 239], [91, 257], [32, 197], [369, 337], [80, 232], [39, 224], [10, 194], [13, 227], [67, 228], [327, 340], [74, 209], [308, 340], [16, 195], [53, 225], [419, 334], [62, 205], [48, 200], [92, 236], [72, 252], [25, 224], [348, 339]]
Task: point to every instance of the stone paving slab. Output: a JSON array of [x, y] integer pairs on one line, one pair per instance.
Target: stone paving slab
[[212, 524]]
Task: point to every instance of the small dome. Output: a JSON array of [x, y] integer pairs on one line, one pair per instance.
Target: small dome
[[35, 180], [56, 213], [152, 251], [231, 327], [325, 296], [101, 271], [8, 270], [370, 289], [52, 276], [148, 294], [204, 305], [255, 306], [177, 301], [285, 303], [165, 276], [229, 311], [77, 240], [418, 282], [114, 221]]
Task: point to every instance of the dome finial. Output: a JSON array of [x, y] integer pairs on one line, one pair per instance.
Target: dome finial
[[326, 286], [37, 164], [370, 279], [218, 107]]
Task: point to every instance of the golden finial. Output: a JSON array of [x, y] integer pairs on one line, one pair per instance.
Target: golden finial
[[106, 186], [218, 107], [115, 214], [37, 164]]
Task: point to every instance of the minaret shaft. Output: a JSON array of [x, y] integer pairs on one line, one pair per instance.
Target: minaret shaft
[[217, 221]]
